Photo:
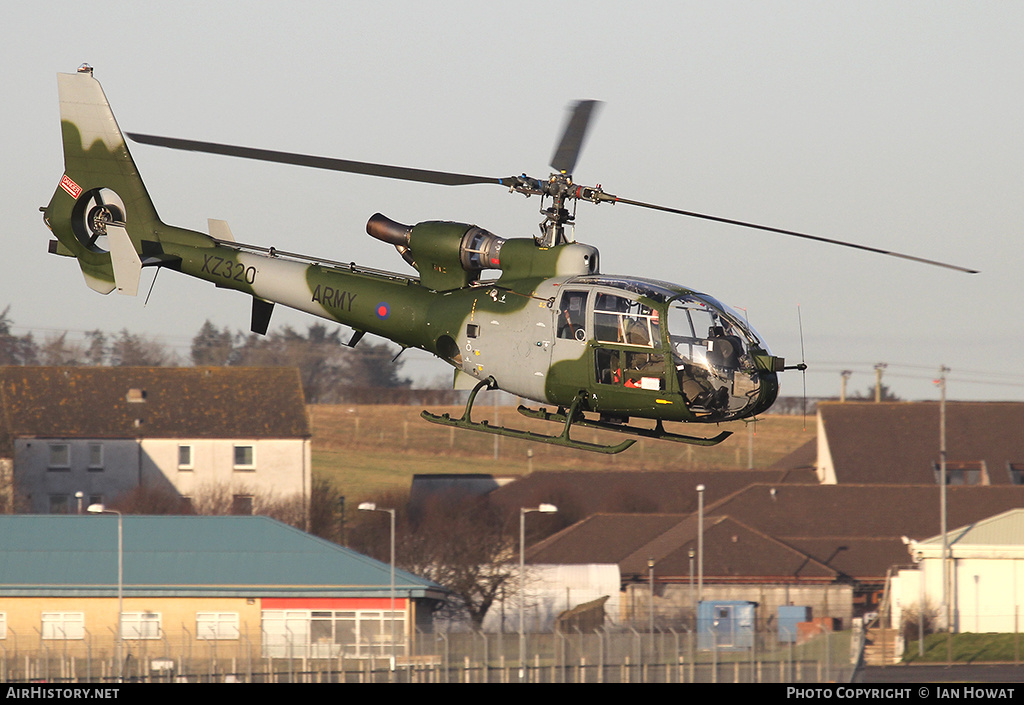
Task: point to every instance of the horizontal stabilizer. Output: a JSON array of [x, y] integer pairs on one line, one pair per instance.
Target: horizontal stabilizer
[[124, 258], [219, 229]]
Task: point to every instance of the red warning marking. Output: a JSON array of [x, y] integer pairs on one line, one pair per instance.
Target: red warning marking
[[73, 189]]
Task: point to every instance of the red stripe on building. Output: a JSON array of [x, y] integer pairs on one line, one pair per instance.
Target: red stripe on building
[[331, 603]]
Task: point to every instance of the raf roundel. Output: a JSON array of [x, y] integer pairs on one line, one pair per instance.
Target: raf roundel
[[383, 310]]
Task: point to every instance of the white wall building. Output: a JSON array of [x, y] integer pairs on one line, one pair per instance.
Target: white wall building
[[82, 435], [553, 589], [986, 576]]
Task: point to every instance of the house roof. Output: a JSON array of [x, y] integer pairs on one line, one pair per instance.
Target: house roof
[[578, 494], [150, 402], [899, 442], [781, 531], [862, 511], [209, 556], [732, 551], [803, 458], [601, 538]]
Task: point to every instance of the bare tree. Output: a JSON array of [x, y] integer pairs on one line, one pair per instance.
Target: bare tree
[[461, 542]]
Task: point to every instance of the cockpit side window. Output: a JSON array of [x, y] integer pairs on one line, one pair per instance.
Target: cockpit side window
[[572, 311], [625, 321], [619, 320]]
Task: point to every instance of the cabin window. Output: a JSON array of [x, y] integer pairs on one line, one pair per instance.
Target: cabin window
[[572, 315], [626, 321]]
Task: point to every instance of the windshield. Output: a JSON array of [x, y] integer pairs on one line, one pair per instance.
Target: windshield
[[712, 351]]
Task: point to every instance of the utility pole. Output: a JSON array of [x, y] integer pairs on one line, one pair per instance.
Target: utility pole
[[842, 384], [878, 380], [942, 495]]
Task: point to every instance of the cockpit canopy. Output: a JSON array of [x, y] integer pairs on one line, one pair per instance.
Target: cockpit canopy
[[673, 332]]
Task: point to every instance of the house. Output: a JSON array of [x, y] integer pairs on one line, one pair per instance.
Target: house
[[579, 494], [74, 436], [986, 577], [739, 563], [829, 547], [898, 442], [237, 587]]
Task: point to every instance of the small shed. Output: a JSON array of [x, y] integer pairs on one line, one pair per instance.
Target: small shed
[[725, 625]]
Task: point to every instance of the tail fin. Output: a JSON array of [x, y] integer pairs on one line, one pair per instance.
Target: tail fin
[[100, 186]]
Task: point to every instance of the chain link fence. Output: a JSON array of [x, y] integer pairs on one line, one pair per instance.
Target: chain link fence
[[603, 656]]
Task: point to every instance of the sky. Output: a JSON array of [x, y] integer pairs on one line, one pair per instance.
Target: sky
[[893, 125]]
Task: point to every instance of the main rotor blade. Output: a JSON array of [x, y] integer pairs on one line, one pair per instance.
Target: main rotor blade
[[792, 233], [568, 150], [384, 170]]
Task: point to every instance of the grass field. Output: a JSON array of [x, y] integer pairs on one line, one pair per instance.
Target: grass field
[[966, 648], [366, 449]]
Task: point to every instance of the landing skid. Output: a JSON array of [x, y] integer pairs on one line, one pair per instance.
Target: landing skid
[[658, 431], [574, 416]]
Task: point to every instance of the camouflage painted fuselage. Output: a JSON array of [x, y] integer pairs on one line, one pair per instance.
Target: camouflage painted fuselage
[[550, 328]]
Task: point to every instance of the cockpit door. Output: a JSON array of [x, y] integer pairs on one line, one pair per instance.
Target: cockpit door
[[627, 344]]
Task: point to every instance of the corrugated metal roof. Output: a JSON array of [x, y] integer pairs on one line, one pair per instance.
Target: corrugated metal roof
[[185, 555], [1006, 529]]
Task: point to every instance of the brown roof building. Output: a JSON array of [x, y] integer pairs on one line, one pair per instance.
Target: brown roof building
[[898, 442], [92, 434]]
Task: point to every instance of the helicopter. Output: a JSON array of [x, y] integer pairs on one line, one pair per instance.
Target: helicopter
[[550, 328]]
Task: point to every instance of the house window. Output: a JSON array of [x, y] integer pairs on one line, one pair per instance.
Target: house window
[[58, 504], [60, 456], [95, 457], [242, 505], [970, 473], [140, 625], [245, 457], [63, 625], [185, 457], [216, 625], [332, 633]]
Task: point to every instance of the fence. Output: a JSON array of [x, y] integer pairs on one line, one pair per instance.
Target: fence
[[464, 657]]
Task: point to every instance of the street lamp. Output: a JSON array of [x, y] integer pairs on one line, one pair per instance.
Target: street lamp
[[700, 543], [523, 511], [100, 509], [650, 602], [690, 554], [372, 507]]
